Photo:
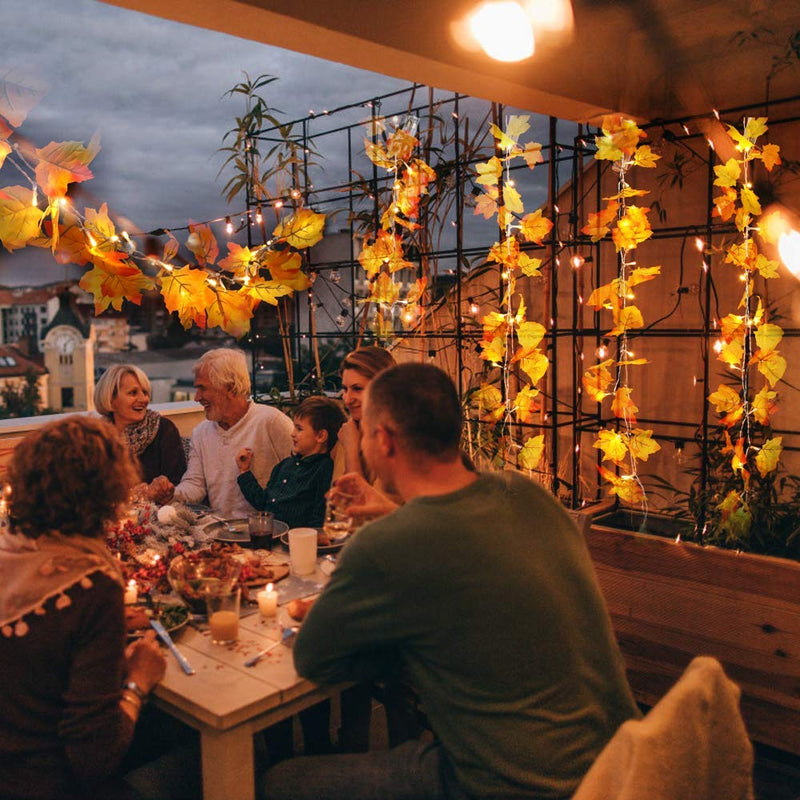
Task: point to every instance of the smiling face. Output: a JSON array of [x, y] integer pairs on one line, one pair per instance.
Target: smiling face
[[216, 402], [305, 440], [353, 386], [130, 402]]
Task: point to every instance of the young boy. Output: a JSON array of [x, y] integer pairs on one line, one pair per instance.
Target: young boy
[[296, 489]]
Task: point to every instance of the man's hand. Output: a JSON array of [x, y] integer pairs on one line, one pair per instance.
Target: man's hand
[[244, 458], [353, 494], [161, 490]]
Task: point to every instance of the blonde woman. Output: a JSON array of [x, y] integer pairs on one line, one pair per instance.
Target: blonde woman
[[122, 396]]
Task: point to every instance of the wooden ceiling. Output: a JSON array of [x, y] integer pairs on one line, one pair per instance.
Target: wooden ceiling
[[651, 59]]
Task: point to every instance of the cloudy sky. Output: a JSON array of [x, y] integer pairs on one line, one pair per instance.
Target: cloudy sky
[[153, 90]]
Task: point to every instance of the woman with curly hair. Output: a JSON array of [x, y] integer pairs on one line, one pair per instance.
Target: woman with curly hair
[[122, 395], [72, 692]]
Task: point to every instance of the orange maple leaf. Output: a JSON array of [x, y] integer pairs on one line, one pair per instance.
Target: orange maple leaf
[[19, 220], [534, 227], [186, 291], [623, 407], [267, 291], [231, 311], [62, 163], [401, 144], [110, 289], [238, 260], [632, 229], [598, 225], [505, 252], [202, 243], [285, 266], [384, 290], [486, 205]]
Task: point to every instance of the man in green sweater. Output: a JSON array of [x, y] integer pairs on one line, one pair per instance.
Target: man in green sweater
[[481, 587]]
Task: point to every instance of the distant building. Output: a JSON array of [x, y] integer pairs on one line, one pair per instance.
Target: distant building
[[26, 311], [15, 366]]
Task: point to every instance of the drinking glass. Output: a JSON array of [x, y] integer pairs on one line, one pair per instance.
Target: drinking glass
[[223, 616], [337, 523], [261, 525], [303, 550]]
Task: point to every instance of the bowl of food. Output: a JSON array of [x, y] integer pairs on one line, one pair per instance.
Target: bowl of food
[[195, 576]]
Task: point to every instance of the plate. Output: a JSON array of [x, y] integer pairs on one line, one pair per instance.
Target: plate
[[173, 616], [272, 568], [236, 530], [334, 547]]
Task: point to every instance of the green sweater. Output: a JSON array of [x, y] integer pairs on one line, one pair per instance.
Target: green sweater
[[488, 596]]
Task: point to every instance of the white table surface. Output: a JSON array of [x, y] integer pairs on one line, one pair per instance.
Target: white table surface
[[228, 702]]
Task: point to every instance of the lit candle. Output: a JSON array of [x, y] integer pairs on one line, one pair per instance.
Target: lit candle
[[131, 593], [268, 601]]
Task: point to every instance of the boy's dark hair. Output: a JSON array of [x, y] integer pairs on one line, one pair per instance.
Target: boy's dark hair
[[423, 405], [324, 414]]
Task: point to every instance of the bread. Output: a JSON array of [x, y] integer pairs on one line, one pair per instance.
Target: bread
[[299, 608]]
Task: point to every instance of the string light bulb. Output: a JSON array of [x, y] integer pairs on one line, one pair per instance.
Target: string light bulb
[[228, 226], [474, 308], [259, 215], [577, 261]]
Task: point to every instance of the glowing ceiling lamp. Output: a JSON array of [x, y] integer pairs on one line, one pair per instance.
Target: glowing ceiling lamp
[[550, 16], [503, 30]]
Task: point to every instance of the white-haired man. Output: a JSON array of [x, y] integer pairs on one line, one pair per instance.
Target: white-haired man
[[233, 422]]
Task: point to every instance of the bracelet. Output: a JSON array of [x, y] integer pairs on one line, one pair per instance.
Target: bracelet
[[136, 689]]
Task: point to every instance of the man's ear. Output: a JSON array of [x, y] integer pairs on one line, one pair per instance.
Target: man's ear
[[385, 441]]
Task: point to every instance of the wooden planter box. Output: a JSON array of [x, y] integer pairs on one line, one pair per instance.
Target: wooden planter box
[[670, 601]]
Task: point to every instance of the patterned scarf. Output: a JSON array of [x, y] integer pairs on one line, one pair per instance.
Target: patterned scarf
[[34, 570], [141, 434]]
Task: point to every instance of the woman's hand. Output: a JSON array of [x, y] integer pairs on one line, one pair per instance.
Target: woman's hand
[[244, 458], [160, 490], [145, 661], [353, 493], [350, 437]]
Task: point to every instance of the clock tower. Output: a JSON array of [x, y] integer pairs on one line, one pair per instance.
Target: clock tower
[[69, 343]]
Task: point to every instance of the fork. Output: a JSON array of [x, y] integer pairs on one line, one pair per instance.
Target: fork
[[287, 634]]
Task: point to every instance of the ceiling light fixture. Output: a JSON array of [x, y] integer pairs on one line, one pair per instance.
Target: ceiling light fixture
[[503, 30]]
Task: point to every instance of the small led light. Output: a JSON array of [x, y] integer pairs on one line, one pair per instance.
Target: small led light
[[577, 261], [228, 226]]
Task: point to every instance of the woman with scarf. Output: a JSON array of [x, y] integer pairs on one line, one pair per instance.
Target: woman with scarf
[[122, 395], [72, 692]]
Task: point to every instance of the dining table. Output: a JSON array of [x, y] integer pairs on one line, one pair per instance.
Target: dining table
[[228, 702]]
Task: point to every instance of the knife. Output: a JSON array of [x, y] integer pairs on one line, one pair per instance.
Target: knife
[[286, 635], [167, 639]]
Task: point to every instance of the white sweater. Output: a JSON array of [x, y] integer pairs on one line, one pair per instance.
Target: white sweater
[[212, 470]]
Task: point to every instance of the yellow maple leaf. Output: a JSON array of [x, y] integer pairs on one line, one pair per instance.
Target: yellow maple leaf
[[302, 229], [486, 205], [531, 453], [416, 291], [494, 324], [645, 157], [5, 149], [769, 455], [772, 366], [642, 445], [19, 220], [642, 275], [267, 291], [766, 267], [598, 225], [725, 399], [728, 174], [742, 143], [285, 266], [493, 350], [731, 353], [62, 163], [525, 404], [507, 139], [768, 336], [632, 229], [612, 444], [505, 252], [534, 364], [400, 144], [742, 219], [489, 172], [626, 319], [186, 291], [384, 290], [755, 127], [112, 288], [596, 381], [202, 242], [532, 154], [604, 296], [377, 154], [531, 267], [534, 227], [750, 202], [628, 191], [770, 156], [237, 261], [739, 459], [231, 311], [762, 405], [529, 334], [622, 406], [626, 487], [487, 398], [511, 200]]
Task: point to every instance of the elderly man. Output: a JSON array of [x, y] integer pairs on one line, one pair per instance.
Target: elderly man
[[233, 421], [482, 588]]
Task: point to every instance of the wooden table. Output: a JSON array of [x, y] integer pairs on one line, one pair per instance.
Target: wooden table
[[228, 702]]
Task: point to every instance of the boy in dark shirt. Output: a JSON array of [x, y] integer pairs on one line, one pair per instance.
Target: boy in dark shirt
[[295, 491]]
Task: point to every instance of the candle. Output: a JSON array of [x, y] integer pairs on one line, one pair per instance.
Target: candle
[[268, 601], [131, 593]]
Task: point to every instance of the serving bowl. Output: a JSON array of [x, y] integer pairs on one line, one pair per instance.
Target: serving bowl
[[194, 578]]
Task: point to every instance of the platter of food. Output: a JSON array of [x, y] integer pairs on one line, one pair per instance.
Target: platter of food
[[137, 618], [236, 530]]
